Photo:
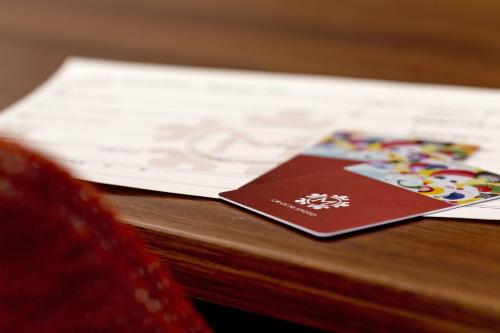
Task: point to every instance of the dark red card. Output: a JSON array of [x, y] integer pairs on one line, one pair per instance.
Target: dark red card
[[316, 195]]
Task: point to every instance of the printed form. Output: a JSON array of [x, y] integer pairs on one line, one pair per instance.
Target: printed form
[[203, 131]]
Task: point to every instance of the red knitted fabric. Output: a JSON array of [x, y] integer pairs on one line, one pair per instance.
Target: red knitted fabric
[[66, 265]]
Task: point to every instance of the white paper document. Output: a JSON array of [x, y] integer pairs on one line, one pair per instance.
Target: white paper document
[[167, 128], [203, 131]]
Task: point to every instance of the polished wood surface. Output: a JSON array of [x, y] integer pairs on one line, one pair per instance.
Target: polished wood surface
[[421, 275]]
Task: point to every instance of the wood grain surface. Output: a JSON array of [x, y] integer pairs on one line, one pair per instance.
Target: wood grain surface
[[421, 275]]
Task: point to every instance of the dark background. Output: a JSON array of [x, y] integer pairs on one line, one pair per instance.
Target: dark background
[[442, 41]]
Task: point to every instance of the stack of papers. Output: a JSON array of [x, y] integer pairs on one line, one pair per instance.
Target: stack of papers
[[204, 131]]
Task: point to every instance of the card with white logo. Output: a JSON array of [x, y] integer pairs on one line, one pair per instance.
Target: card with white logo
[[350, 181]]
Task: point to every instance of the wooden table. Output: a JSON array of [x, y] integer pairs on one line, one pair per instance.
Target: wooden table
[[422, 275]]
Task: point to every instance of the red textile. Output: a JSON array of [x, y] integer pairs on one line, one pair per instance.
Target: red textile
[[66, 265]]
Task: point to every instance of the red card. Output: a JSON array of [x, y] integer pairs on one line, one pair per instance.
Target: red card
[[316, 195]]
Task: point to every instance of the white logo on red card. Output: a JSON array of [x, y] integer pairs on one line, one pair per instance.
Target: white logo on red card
[[324, 201]]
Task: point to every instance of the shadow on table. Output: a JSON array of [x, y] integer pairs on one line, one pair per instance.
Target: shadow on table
[[228, 320]]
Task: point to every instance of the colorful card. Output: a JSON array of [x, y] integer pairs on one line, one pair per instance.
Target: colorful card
[[448, 181], [327, 191], [358, 146]]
